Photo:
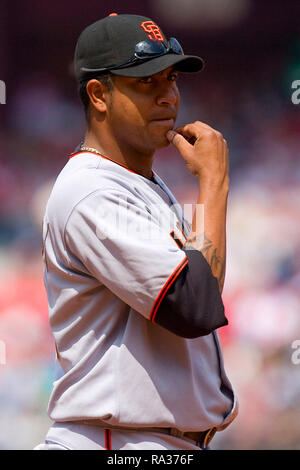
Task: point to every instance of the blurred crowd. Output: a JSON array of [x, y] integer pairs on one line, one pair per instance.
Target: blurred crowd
[[262, 289]]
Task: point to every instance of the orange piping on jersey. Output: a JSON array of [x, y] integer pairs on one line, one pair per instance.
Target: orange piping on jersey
[[57, 353], [166, 287], [177, 240], [106, 158], [107, 439]]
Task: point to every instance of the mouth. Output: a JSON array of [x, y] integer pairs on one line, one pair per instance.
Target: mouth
[[169, 121]]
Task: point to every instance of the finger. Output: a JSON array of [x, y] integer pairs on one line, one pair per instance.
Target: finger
[[225, 155], [197, 129], [179, 142], [187, 135], [197, 124], [190, 130]]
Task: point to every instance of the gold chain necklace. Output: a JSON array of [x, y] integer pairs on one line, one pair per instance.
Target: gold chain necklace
[[90, 149]]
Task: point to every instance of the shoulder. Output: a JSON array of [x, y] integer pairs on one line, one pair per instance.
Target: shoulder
[[88, 179]]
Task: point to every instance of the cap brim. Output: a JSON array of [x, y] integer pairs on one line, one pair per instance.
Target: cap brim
[[184, 63]]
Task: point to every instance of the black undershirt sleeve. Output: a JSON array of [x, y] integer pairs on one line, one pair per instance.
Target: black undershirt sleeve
[[193, 305]]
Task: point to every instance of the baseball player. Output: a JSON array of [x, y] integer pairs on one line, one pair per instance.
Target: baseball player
[[134, 290]]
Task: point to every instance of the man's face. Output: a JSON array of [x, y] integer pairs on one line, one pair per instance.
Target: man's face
[[142, 110]]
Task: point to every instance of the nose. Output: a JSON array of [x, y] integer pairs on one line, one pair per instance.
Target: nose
[[168, 95]]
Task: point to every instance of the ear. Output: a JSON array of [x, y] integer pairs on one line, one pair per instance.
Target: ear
[[98, 95]]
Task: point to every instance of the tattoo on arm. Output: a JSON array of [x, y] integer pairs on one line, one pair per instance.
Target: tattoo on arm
[[217, 266], [203, 244]]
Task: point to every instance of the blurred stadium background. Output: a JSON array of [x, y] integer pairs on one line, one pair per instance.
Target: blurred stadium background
[[252, 54]]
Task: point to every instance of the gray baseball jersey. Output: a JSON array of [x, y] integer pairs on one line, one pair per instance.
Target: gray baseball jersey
[[134, 315]]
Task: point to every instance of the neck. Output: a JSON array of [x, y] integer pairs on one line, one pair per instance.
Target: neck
[[132, 158]]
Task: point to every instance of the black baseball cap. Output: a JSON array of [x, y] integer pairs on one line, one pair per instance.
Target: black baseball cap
[[111, 42]]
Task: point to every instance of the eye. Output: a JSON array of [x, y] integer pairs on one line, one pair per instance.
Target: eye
[[173, 77], [146, 80]]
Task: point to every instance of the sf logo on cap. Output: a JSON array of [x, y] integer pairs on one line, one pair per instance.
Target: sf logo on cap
[[154, 32]]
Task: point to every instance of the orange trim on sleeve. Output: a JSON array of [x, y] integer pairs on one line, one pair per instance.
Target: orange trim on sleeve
[[107, 439], [177, 240], [57, 353], [165, 288]]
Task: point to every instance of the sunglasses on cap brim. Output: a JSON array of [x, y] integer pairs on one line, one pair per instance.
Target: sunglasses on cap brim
[[144, 50]]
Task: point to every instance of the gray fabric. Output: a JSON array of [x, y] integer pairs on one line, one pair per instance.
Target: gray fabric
[[117, 365]]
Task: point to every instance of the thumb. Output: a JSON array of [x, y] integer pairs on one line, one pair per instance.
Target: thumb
[[178, 141]]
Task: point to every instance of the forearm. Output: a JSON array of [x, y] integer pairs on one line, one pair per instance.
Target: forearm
[[207, 159], [208, 233]]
